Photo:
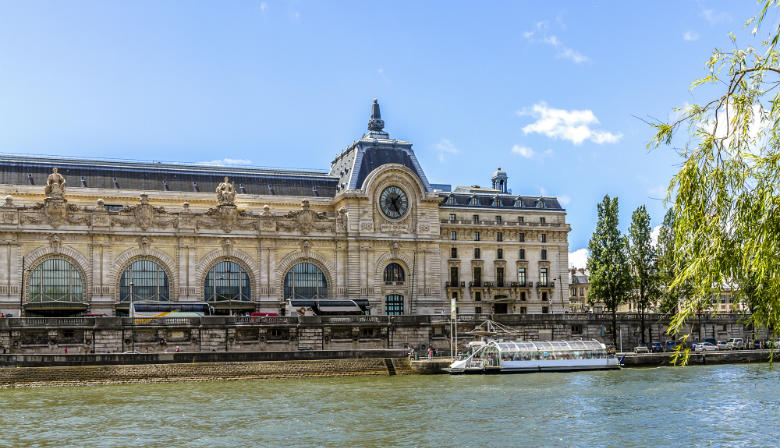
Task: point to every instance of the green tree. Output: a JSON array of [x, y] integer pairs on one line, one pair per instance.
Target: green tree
[[667, 268], [726, 196], [642, 256], [610, 280]]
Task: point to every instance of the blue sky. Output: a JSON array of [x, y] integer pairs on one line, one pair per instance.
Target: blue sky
[[553, 92]]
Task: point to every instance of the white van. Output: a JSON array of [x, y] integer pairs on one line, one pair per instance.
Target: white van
[[735, 344]]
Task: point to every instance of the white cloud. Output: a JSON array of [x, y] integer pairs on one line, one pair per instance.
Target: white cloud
[[654, 235], [572, 125], [263, 6], [578, 258], [523, 151], [564, 200], [226, 162], [445, 147], [690, 36], [552, 40], [715, 17], [657, 192]]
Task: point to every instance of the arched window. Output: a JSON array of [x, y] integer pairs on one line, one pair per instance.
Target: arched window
[[394, 273], [305, 281], [227, 280], [55, 280], [394, 305], [143, 280]]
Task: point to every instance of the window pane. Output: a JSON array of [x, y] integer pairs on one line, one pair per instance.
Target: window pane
[[305, 281], [55, 280], [227, 280], [145, 280], [394, 305]]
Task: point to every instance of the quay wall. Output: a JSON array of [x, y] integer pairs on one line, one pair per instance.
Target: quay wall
[[214, 334], [206, 371]]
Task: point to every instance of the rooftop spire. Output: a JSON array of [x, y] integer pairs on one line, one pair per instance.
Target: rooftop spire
[[376, 124]]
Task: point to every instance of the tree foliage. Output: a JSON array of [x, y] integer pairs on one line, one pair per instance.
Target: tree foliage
[[669, 268], [642, 258], [610, 280], [726, 196]]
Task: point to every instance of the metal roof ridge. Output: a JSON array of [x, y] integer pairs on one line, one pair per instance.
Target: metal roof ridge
[[179, 166]]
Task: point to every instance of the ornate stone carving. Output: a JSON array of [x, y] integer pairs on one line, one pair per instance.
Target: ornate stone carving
[[9, 213], [55, 210], [186, 220], [226, 193], [342, 220], [227, 246], [55, 242], [55, 185], [143, 215], [267, 221], [227, 218], [100, 216], [143, 243], [305, 220]]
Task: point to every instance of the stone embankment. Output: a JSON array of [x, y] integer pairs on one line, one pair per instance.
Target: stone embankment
[[697, 358], [122, 369]]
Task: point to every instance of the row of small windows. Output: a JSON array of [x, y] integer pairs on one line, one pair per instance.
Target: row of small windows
[[499, 254], [499, 220], [574, 292], [499, 236], [477, 276]]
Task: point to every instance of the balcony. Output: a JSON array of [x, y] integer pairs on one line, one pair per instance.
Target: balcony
[[454, 284], [475, 284]]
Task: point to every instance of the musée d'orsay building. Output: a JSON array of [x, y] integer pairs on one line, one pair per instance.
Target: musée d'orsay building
[[84, 236]]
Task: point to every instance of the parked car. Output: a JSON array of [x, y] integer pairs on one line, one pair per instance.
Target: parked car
[[710, 340], [722, 345], [706, 347], [641, 349], [735, 344], [693, 346], [656, 347], [670, 345]]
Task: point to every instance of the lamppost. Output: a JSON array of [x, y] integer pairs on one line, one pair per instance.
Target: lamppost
[[132, 318]]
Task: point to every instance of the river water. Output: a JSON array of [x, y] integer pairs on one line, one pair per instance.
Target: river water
[[727, 405]]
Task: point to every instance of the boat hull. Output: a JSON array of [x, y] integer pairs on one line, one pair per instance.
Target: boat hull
[[540, 366]]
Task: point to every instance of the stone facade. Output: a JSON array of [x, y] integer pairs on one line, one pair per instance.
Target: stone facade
[[101, 217]]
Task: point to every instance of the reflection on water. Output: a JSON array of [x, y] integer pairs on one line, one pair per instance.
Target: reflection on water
[[732, 405]]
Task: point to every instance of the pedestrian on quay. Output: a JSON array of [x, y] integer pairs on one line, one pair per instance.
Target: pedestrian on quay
[[430, 353]]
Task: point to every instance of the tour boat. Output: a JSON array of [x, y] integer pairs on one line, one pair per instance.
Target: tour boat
[[492, 356]]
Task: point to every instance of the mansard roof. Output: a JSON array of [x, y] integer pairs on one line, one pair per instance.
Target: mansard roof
[[489, 198], [19, 170], [375, 149]]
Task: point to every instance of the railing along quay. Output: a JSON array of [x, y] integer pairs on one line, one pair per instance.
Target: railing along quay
[[214, 321]]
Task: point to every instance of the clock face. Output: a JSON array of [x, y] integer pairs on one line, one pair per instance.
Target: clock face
[[393, 202]]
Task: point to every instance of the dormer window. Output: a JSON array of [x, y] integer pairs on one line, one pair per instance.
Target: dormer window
[[474, 201]]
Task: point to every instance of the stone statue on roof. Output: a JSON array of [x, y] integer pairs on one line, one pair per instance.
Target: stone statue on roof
[[55, 185], [226, 193]]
